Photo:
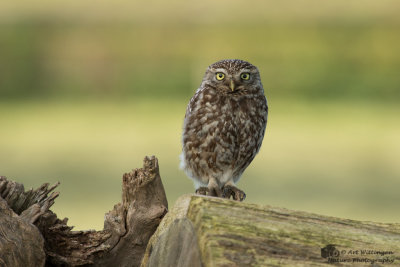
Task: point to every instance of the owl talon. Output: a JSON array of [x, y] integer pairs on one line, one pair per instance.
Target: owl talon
[[202, 191], [233, 191], [209, 191]]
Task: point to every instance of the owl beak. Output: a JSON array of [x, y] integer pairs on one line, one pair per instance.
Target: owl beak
[[232, 85]]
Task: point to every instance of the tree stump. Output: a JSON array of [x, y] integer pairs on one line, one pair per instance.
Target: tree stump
[[122, 242]]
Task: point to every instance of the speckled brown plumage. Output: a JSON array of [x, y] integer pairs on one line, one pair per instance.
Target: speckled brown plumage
[[224, 127]]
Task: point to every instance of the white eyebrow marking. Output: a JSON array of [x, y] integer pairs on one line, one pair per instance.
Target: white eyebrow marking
[[221, 70]]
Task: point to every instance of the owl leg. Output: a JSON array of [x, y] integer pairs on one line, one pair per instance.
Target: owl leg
[[212, 189], [230, 189]]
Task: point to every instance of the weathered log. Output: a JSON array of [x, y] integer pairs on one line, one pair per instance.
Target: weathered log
[[122, 242], [21, 243], [208, 231], [199, 231], [132, 223]]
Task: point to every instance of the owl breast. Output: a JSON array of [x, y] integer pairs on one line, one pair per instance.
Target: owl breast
[[222, 134]]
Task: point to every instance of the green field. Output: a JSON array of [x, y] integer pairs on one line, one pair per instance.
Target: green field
[[68, 49], [333, 158]]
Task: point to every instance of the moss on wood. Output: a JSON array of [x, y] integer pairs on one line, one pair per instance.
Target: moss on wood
[[230, 233]]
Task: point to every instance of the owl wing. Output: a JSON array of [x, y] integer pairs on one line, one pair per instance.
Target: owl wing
[[192, 102]]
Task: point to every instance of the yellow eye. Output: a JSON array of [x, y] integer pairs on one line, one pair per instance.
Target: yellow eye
[[220, 76], [245, 76]]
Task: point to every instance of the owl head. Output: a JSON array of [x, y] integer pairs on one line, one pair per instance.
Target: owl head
[[233, 77]]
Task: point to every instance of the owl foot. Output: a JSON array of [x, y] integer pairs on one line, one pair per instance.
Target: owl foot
[[202, 191], [233, 191], [209, 191]]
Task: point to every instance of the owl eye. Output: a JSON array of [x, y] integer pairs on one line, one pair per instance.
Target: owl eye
[[220, 76], [245, 76]]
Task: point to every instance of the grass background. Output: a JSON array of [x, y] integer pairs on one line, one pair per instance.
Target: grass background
[[87, 89]]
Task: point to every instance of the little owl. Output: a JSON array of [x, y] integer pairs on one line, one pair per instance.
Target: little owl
[[224, 127]]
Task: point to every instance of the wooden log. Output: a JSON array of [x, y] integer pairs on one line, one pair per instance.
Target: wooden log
[[199, 232], [122, 242], [208, 231], [132, 223], [21, 243]]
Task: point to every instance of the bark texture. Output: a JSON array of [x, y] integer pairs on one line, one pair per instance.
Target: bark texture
[[208, 231], [32, 235], [198, 232], [21, 243]]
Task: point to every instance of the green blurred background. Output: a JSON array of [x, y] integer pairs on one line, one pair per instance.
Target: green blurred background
[[88, 88]]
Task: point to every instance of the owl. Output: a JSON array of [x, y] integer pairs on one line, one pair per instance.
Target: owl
[[223, 128]]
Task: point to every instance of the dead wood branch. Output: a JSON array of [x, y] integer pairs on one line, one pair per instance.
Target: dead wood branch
[[122, 242]]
